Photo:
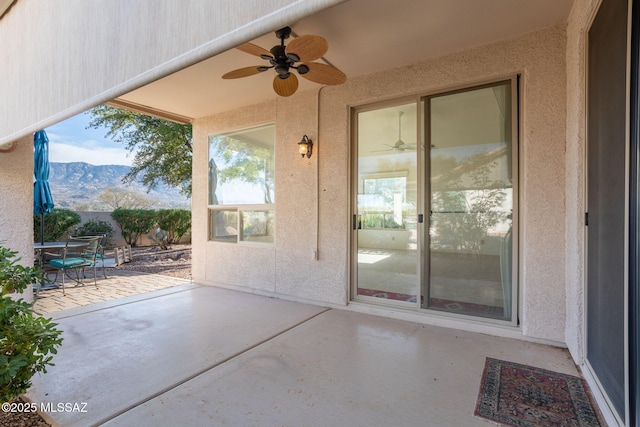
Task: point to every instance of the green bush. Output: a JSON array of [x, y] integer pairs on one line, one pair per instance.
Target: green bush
[[27, 343], [92, 228], [134, 223], [56, 224], [176, 222]]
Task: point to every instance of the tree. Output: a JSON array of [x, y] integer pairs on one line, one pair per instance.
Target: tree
[[164, 148], [114, 198]]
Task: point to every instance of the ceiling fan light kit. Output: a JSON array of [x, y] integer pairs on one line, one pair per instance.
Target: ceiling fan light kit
[[298, 55]]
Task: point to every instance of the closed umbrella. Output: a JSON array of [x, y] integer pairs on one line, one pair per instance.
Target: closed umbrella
[[42, 199]]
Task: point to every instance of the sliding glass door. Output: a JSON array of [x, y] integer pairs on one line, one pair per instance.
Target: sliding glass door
[[471, 196], [386, 203], [435, 202]]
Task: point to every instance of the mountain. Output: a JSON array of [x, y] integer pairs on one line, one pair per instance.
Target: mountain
[[76, 185]]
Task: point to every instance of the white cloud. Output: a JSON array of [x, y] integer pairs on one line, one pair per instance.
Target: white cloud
[[63, 152]]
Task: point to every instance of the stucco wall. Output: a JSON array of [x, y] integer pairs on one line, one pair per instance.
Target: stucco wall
[[62, 57], [16, 193], [288, 267], [578, 24]]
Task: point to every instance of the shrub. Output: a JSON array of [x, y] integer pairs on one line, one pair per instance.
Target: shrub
[[134, 223], [176, 222], [56, 224], [27, 343], [95, 227], [92, 228]]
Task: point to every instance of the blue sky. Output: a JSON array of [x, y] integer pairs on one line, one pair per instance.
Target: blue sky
[[71, 141]]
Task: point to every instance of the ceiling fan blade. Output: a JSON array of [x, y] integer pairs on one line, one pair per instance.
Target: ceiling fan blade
[[252, 49], [308, 47], [285, 87], [324, 74], [242, 72]]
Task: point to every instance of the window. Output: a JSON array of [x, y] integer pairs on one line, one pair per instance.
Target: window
[[241, 186]]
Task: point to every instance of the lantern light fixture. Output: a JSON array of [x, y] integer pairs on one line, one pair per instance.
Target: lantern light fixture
[[305, 147]]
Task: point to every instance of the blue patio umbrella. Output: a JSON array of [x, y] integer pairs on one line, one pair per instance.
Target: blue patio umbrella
[[42, 199]]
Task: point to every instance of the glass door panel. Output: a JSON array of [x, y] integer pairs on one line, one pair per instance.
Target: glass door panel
[[386, 200], [471, 202]]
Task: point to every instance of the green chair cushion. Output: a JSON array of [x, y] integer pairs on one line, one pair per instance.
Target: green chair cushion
[[70, 263]]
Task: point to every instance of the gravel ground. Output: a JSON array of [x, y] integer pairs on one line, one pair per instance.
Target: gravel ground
[[175, 262]]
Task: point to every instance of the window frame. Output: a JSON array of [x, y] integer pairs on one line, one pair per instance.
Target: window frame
[[240, 210]]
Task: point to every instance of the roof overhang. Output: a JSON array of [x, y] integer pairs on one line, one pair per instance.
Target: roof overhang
[[365, 36]]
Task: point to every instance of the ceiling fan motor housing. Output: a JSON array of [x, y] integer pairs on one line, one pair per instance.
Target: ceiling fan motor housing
[[281, 61]]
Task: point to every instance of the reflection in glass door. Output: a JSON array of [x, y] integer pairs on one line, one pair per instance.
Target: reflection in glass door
[[386, 200], [471, 202], [435, 202]]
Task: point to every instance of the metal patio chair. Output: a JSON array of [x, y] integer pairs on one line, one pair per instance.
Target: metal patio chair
[[101, 247], [77, 255]]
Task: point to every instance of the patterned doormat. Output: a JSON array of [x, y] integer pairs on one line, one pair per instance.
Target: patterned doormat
[[520, 395]]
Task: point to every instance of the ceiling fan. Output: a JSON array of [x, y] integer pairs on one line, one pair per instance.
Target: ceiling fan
[[301, 51], [399, 145]]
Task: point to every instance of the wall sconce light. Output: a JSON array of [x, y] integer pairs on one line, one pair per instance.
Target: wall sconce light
[[305, 146]]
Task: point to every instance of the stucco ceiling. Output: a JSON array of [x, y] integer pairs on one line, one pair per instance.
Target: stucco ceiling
[[364, 36]]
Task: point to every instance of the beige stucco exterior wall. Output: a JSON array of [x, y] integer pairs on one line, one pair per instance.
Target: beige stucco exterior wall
[[578, 24], [16, 222], [62, 57], [288, 269]]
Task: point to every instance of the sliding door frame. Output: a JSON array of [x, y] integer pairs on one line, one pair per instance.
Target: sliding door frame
[[353, 213], [514, 81], [423, 198], [633, 319]]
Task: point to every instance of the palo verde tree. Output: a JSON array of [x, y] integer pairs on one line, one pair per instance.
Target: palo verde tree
[[163, 149], [116, 197]]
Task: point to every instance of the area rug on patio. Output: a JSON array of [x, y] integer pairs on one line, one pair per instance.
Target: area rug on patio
[[520, 395]]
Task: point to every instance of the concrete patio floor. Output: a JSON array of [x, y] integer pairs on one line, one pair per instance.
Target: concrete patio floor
[[196, 355]]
